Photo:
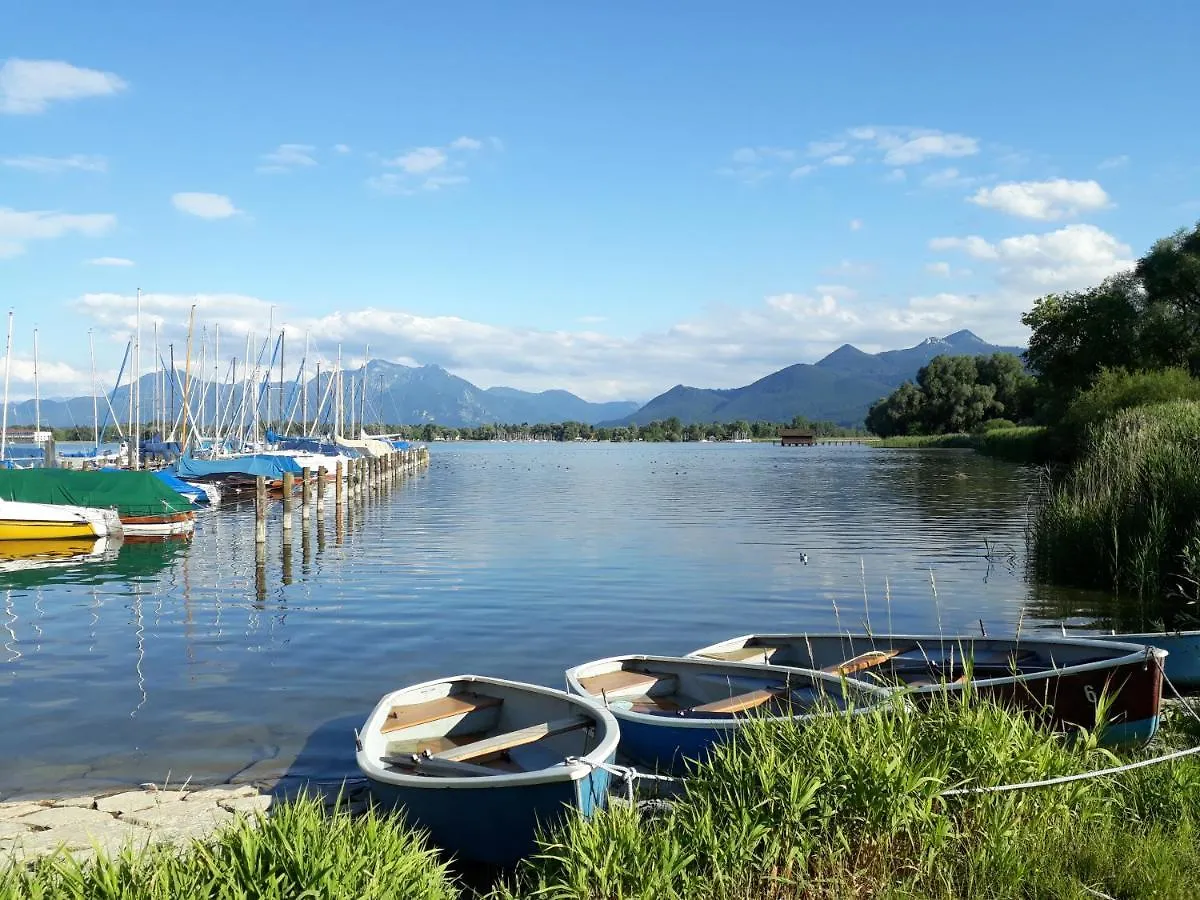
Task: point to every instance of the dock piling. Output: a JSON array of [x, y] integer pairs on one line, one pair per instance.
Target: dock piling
[[321, 476], [260, 509], [339, 485], [305, 492], [289, 489]]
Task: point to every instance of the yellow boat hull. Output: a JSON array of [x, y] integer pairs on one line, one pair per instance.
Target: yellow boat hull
[[25, 530]]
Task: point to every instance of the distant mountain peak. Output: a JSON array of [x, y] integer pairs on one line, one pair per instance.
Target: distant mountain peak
[[933, 342], [965, 336]]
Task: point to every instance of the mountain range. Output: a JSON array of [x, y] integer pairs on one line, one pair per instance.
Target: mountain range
[[838, 388]]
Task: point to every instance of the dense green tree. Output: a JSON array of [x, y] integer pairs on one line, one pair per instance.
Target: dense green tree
[[955, 399], [898, 413], [1145, 319]]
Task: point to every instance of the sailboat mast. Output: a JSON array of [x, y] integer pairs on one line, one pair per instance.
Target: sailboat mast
[[187, 381], [95, 402], [304, 387], [157, 415], [136, 387], [37, 391], [7, 366], [340, 433], [282, 336], [362, 400]]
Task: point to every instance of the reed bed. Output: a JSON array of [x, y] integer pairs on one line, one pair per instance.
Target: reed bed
[[1126, 517], [1025, 444]]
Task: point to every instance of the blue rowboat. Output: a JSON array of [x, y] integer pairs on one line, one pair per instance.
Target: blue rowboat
[[1057, 680], [673, 709], [481, 762], [1183, 647]]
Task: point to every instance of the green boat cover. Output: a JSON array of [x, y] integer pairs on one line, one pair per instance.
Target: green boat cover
[[131, 493]]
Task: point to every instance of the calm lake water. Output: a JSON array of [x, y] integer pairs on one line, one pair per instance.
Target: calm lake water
[[518, 560]]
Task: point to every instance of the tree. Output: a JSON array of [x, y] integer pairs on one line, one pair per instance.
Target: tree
[[1014, 386], [955, 400], [898, 413]]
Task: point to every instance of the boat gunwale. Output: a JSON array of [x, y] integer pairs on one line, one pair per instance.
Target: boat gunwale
[[726, 723], [606, 744], [1137, 653]]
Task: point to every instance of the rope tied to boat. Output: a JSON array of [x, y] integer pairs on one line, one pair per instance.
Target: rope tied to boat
[[1083, 776], [628, 775]]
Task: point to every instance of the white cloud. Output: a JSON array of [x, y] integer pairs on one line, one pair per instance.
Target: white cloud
[[896, 176], [1113, 162], [341, 148], [912, 146], [1070, 258], [52, 165], [427, 169], [945, 270], [18, 228], [825, 148], [1045, 200], [30, 85], [947, 178], [206, 206], [110, 261], [420, 160], [856, 224], [892, 146], [287, 158], [801, 171]]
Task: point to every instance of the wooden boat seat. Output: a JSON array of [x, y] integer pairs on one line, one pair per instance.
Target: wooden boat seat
[[741, 702], [497, 745], [624, 681], [741, 654], [868, 660], [401, 717], [432, 744]]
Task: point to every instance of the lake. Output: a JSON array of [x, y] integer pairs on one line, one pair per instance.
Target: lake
[[169, 660]]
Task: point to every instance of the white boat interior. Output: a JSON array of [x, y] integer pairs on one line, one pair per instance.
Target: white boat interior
[[470, 726], [916, 660], [694, 688]]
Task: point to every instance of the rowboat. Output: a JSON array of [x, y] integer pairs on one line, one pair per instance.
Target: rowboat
[[673, 709], [22, 521], [480, 762], [1183, 647], [1059, 680]]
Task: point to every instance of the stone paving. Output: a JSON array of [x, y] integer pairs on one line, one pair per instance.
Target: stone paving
[[108, 823]]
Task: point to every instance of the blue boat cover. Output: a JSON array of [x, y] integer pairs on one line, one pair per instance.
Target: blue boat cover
[[252, 465], [303, 445], [180, 486]]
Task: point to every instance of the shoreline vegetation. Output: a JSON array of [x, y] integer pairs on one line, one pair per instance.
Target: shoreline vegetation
[[841, 806]]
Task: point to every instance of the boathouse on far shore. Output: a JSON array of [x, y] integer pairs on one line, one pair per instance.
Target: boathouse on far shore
[[796, 437]]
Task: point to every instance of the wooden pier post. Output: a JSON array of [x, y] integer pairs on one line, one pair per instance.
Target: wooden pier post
[[260, 510], [339, 486], [289, 489], [260, 571], [321, 476], [305, 492]]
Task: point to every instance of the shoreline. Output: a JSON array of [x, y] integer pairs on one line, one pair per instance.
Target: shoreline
[[136, 816]]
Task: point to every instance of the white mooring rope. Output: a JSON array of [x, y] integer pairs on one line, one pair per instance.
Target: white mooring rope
[[629, 775], [1082, 776]]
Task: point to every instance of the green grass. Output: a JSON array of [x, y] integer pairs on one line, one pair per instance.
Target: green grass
[[1025, 444], [1126, 517], [299, 851], [841, 807], [848, 807]]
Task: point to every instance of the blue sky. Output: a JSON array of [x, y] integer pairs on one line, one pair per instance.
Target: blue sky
[[611, 198]]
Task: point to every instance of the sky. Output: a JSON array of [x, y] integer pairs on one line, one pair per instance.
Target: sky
[[608, 198]]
